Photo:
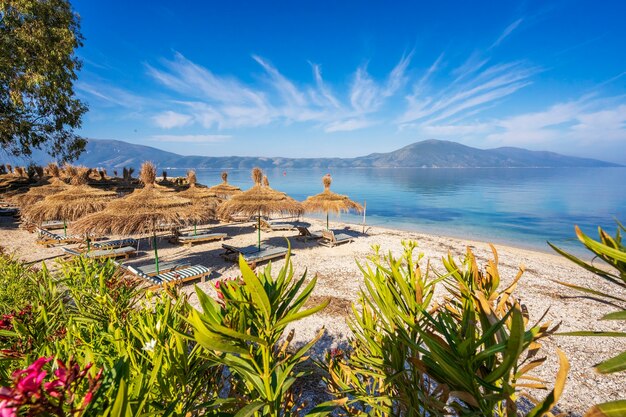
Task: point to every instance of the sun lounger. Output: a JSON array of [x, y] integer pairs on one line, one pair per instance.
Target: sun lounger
[[8, 211], [190, 239], [47, 238], [304, 234], [178, 275], [330, 238], [274, 226], [125, 252], [52, 225], [238, 218], [112, 244], [252, 254], [163, 267]]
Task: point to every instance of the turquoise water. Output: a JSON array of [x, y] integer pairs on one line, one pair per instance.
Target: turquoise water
[[521, 207]]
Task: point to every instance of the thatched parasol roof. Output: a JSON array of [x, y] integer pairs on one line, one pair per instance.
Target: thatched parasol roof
[[328, 201], [41, 190], [260, 200], [225, 190], [201, 196], [142, 211], [73, 202]]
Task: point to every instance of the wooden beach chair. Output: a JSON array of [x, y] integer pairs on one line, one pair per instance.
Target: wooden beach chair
[[9, 211], [47, 238], [305, 234], [330, 238], [270, 226], [252, 255], [111, 244], [163, 267], [178, 276], [52, 225], [190, 239], [123, 252]]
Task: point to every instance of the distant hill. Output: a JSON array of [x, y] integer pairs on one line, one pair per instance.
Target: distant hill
[[425, 154]]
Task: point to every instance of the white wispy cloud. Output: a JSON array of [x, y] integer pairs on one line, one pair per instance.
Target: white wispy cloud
[[480, 88], [509, 29], [191, 138], [110, 95], [218, 102], [170, 119], [193, 96], [348, 125]]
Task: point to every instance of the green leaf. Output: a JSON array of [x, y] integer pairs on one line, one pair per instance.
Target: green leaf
[[610, 409], [601, 248], [302, 314], [514, 347], [615, 364], [257, 291], [551, 399], [593, 333], [326, 408], [250, 409], [617, 315], [120, 406]]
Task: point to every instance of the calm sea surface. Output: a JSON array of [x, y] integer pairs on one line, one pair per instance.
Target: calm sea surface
[[521, 207]]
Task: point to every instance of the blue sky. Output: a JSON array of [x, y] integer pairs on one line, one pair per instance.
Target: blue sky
[[329, 78]]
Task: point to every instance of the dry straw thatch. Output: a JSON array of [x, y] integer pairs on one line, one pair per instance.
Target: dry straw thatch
[[225, 190], [72, 202], [42, 189], [260, 200], [328, 201], [201, 197], [38, 193], [143, 211]]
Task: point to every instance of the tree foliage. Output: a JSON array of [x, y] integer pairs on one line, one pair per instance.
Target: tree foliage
[[38, 67]]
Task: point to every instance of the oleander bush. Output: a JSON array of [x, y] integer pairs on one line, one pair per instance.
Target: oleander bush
[[612, 255], [410, 356], [86, 340]]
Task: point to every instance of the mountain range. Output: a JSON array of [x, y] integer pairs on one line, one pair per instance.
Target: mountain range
[[425, 154]]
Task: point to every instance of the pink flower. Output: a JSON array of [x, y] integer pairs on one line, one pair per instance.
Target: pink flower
[[88, 398], [30, 379], [7, 409]]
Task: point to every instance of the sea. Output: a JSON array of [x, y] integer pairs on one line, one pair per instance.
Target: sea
[[523, 207]]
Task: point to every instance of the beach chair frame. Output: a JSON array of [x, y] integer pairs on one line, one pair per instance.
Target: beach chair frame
[[124, 252], [189, 240], [305, 234], [331, 239]]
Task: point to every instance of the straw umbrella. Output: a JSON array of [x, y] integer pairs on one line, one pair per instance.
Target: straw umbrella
[[39, 192], [142, 211], [203, 198], [328, 201], [225, 190], [260, 200], [75, 201]]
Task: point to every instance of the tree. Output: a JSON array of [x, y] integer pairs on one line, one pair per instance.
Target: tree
[[38, 67]]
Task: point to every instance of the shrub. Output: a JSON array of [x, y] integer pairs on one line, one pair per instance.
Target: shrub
[[410, 356], [612, 253], [17, 289], [243, 331]]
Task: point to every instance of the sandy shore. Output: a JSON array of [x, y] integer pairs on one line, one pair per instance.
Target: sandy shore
[[339, 279]]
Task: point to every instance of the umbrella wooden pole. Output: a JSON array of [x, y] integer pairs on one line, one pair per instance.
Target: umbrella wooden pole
[[156, 253], [64, 228], [327, 228], [364, 210], [258, 227]]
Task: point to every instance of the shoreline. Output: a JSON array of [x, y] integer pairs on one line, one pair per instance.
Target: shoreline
[[339, 279]]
